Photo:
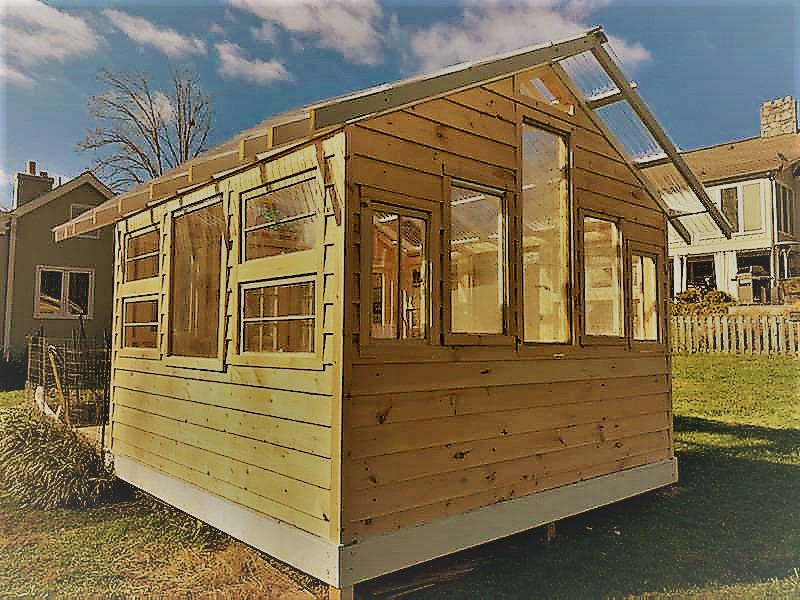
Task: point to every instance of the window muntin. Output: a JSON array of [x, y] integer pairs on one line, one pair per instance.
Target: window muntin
[[142, 255], [63, 293], [197, 238], [644, 298], [280, 221], [729, 201], [603, 283], [140, 323], [478, 287], [399, 292], [545, 237], [751, 207], [76, 210], [278, 317]]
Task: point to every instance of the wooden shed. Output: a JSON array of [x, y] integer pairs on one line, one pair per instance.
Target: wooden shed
[[396, 324]]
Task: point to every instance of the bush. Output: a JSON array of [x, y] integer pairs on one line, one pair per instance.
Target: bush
[[693, 303], [45, 464]]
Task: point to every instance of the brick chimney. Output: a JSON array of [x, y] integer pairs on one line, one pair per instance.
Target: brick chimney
[[29, 186], [778, 117]]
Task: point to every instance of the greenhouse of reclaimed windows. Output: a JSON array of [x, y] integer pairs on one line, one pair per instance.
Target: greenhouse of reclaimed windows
[[393, 325]]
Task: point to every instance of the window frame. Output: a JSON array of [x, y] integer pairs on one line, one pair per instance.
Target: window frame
[[657, 254], [604, 340], [91, 235], [508, 210], [716, 192], [130, 351], [194, 362], [405, 206], [65, 274]]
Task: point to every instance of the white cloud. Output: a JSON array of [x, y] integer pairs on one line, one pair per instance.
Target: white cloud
[[234, 65], [164, 39], [350, 27], [495, 26], [216, 29], [32, 32]]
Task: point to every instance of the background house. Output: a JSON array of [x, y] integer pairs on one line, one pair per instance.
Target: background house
[[756, 183], [44, 285]]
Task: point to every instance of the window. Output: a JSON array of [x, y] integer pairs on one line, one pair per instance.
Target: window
[[281, 220], [78, 209], [478, 291], [603, 285], [785, 208], [644, 297], [141, 255], [400, 295], [140, 323], [729, 198], [197, 252], [278, 317], [63, 293], [751, 207], [545, 237]]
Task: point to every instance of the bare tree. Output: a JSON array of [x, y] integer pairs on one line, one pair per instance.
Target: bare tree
[[144, 132]]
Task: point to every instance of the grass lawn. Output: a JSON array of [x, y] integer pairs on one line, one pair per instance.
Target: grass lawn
[[729, 529]]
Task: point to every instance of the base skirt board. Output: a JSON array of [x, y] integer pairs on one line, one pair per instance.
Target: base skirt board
[[381, 554], [309, 553]]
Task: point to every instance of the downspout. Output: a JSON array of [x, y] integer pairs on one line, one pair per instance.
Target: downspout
[[12, 249]]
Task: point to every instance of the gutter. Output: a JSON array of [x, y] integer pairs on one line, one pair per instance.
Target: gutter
[[12, 249]]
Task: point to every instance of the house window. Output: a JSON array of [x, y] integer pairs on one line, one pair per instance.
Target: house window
[[478, 288], [644, 297], [400, 295], [545, 237], [78, 209], [140, 323], [63, 293], [751, 207], [603, 283], [729, 198], [141, 255], [278, 317], [281, 221], [197, 252]]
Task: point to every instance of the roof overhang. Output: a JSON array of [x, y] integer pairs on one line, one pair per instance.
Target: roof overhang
[[301, 126]]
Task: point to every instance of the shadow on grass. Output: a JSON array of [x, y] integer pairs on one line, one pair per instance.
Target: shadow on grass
[[732, 518]]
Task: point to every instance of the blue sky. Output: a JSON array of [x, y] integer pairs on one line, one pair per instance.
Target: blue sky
[[704, 67]]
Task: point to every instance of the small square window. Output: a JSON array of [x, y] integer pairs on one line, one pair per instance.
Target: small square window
[[278, 317], [140, 324], [142, 255]]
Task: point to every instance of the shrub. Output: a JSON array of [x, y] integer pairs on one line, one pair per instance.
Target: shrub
[[693, 303], [45, 464], [719, 297]]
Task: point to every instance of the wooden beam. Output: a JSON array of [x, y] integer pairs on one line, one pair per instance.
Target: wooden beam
[[249, 147], [654, 161], [166, 187], [204, 169], [601, 125], [658, 133], [606, 98], [284, 133]]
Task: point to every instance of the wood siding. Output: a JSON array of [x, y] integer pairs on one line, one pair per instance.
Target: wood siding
[[257, 431], [431, 430]]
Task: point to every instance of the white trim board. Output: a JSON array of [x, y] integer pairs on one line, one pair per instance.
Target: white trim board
[[343, 566]]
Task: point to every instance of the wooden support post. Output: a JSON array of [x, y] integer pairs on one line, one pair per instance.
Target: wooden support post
[[550, 532], [347, 593]]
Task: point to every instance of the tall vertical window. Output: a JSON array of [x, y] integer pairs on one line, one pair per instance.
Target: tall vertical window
[[141, 255], [478, 288], [278, 317], [751, 207], [729, 200], [399, 296], [644, 296], [63, 293], [280, 221], [545, 237], [603, 282], [197, 244]]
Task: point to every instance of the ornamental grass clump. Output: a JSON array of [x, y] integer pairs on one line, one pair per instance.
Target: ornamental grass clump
[[45, 464]]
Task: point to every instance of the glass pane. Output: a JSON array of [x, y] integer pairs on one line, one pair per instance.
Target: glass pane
[[385, 265], [78, 299], [144, 243], [49, 292], [644, 298], [751, 206], [141, 336], [602, 258], [137, 246], [196, 263], [413, 278], [296, 335], [477, 256], [286, 218], [279, 300], [545, 237], [141, 268], [144, 311], [730, 206]]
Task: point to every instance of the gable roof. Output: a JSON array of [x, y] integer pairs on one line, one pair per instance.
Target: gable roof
[[572, 59], [85, 178], [744, 158]]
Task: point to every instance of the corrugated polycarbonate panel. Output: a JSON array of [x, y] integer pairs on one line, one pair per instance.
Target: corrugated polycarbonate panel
[[627, 127], [588, 75]]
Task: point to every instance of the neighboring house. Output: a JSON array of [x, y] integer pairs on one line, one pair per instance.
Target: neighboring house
[[756, 183], [45, 285]]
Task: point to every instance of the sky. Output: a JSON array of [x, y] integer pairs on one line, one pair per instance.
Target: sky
[[703, 67]]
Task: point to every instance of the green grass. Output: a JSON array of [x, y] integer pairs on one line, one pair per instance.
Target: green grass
[[9, 399]]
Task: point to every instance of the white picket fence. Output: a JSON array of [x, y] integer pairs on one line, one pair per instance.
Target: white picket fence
[[767, 334]]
